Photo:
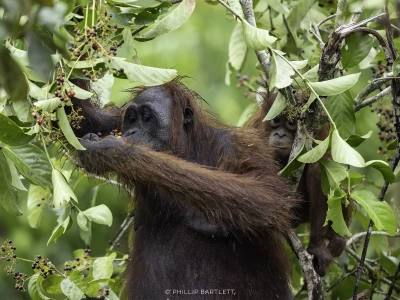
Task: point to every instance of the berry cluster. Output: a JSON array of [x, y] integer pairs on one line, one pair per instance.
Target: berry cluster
[[387, 132], [79, 263], [89, 44], [7, 252], [44, 266]]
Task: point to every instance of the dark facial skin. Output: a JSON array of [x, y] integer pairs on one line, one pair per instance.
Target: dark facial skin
[[282, 135], [147, 120]]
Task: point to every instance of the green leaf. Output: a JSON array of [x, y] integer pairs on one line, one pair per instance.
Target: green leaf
[[32, 287], [146, 75], [39, 57], [334, 173], [355, 178], [277, 107], [382, 167], [11, 77], [102, 88], [356, 49], [36, 204], [237, 48], [128, 47], [355, 140], [379, 211], [103, 267], [335, 86], [67, 130], [62, 193], [335, 213], [344, 153], [8, 195], [79, 93], [235, 5], [299, 11], [31, 162], [60, 229], [340, 107], [82, 221], [48, 105], [100, 214], [281, 72], [52, 284], [37, 92], [15, 178], [316, 153], [256, 38], [11, 133], [74, 286], [172, 20]]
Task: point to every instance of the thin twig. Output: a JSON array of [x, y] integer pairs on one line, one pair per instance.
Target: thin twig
[[374, 85], [373, 99], [357, 236], [340, 17], [126, 224], [340, 280]]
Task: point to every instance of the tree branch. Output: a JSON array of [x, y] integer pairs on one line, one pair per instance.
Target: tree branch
[[314, 284], [374, 85], [373, 99], [389, 294]]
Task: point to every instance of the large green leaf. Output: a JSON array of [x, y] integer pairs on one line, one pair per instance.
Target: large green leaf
[[103, 267], [100, 214], [79, 92], [36, 202], [74, 286], [11, 133], [333, 174], [355, 140], [15, 178], [8, 195], [35, 289], [62, 193], [356, 49], [67, 130], [316, 153], [340, 107], [39, 57], [344, 153], [277, 107], [11, 77], [60, 229], [31, 162], [146, 75], [237, 48], [281, 72], [299, 11], [256, 38], [335, 213], [335, 86], [48, 105], [382, 167], [379, 211], [172, 20]]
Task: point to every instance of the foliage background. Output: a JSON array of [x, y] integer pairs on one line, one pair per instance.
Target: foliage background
[[197, 49]]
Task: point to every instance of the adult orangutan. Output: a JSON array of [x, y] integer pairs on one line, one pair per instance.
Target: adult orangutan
[[210, 208]]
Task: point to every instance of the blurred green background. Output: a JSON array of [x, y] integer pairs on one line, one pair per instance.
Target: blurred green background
[[198, 49]]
